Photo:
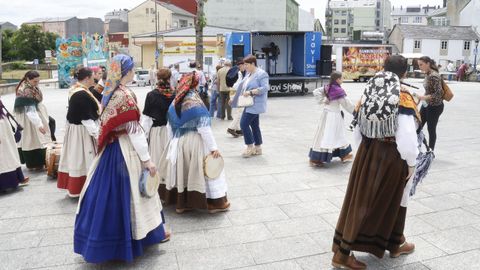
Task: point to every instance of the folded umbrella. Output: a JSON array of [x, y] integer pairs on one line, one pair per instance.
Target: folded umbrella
[[424, 161]]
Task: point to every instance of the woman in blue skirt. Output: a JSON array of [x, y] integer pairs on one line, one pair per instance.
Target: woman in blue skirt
[[114, 221]]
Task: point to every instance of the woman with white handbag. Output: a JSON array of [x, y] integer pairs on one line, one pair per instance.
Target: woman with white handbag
[[252, 95]]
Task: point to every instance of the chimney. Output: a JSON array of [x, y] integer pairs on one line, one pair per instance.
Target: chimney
[[312, 11], [444, 3]]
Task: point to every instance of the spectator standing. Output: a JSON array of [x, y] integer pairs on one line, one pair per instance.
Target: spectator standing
[[224, 91]]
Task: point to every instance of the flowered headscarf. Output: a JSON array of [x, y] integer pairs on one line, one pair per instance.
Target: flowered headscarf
[[119, 66], [188, 82]]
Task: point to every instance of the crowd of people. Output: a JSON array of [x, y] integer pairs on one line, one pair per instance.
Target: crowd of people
[[109, 142]]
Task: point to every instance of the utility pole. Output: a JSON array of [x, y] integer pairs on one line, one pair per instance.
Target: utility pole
[[156, 36], [200, 23]]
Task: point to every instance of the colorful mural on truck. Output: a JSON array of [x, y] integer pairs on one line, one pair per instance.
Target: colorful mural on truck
[[77, 51]]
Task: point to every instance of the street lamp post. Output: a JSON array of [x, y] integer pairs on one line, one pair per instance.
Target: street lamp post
[[476, 52]]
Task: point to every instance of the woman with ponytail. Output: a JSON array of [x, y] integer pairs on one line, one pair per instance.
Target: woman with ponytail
[[433, 99], [154, 118], [32, 115], [184, 181]]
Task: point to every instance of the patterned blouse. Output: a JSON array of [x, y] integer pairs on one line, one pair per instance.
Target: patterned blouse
[[433, 87]]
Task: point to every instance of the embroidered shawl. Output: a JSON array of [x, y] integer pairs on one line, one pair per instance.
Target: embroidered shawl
[[377, 117], [334, 92], [80, 87], [27, 95], [193, 115], [121, 109]]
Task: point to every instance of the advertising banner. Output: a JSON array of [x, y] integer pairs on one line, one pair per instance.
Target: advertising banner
[[313, 42], [363, 62]]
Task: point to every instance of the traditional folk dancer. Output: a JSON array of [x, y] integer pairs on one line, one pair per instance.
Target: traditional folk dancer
[[32, 115], [372, 218], [114, 221], [183, 176], [79, 145], [330, 140], [11, 175], [154, 118]]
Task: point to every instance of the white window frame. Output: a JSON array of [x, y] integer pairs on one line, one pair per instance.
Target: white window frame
[[335, 30], [343, 30], [336, 21], [404, 19], [417, 44], [417, 19], [444, 42]]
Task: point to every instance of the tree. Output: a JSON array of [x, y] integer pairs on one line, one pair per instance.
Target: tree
[[8, 47], [200, 23], [30, 42]]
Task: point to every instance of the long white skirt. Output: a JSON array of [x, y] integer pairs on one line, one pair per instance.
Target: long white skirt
[[187, 172], [9, 159], [157, 143], [78, 152]]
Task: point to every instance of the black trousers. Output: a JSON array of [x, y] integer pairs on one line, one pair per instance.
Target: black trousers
[[224, 98], [430, 116], [52, 125]]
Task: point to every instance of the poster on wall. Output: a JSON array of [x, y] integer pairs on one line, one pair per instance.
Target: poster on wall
[[69, 57], [95, 49], [77, 51]]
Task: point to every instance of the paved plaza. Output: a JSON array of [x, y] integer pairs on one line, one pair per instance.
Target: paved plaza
[[283, 211]]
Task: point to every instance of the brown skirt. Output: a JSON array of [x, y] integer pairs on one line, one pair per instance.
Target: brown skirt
[[371, 219], [188, 199]]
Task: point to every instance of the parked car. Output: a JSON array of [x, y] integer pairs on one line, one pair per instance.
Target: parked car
[[142, 77]]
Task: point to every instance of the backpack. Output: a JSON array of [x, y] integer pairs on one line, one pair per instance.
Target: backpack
[[232, 76]]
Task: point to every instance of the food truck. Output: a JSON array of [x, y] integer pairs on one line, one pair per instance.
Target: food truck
[[361, 62], [289, 57]]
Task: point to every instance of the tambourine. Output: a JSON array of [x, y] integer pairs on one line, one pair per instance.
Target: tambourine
[[213, 167], [148, 185]]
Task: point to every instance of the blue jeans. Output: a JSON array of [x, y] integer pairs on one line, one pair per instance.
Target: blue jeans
[[213, 102], [250, 125]]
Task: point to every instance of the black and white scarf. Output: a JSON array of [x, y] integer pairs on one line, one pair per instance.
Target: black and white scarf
[[379, 106]]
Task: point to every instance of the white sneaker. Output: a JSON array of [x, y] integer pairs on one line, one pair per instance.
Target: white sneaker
[[258, 151], [250, 151]]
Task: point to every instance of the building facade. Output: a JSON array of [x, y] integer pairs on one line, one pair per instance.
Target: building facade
[[412, 15], [178, 46], [8, 26], [351, 19], [121, 14], [69, 26], [262, 15], [441, 43], [141, 20]]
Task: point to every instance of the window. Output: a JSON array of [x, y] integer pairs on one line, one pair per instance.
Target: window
[[417, 44], [152, 10], [379, 5], [417, 20], [335, 22], [147, 10], [344, 30], [378, 14], [335, 30], [466, 46], [344, 12], [377, 23], [404, 19], [337, 12], [344, 21], [183, 23], [444, 45]]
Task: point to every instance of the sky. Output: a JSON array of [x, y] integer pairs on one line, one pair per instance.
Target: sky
[[20, 11]]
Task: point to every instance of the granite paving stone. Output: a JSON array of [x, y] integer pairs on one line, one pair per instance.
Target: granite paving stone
[[283, 211]]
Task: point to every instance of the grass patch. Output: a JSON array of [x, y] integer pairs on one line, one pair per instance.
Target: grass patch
[[18, 74]]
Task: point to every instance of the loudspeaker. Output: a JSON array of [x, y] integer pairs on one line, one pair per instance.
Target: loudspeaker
[[237, 52], [324, 67], [318, 67], [326, 52]]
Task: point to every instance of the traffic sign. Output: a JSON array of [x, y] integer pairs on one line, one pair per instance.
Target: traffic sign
[[35, 61], [157, 54]]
